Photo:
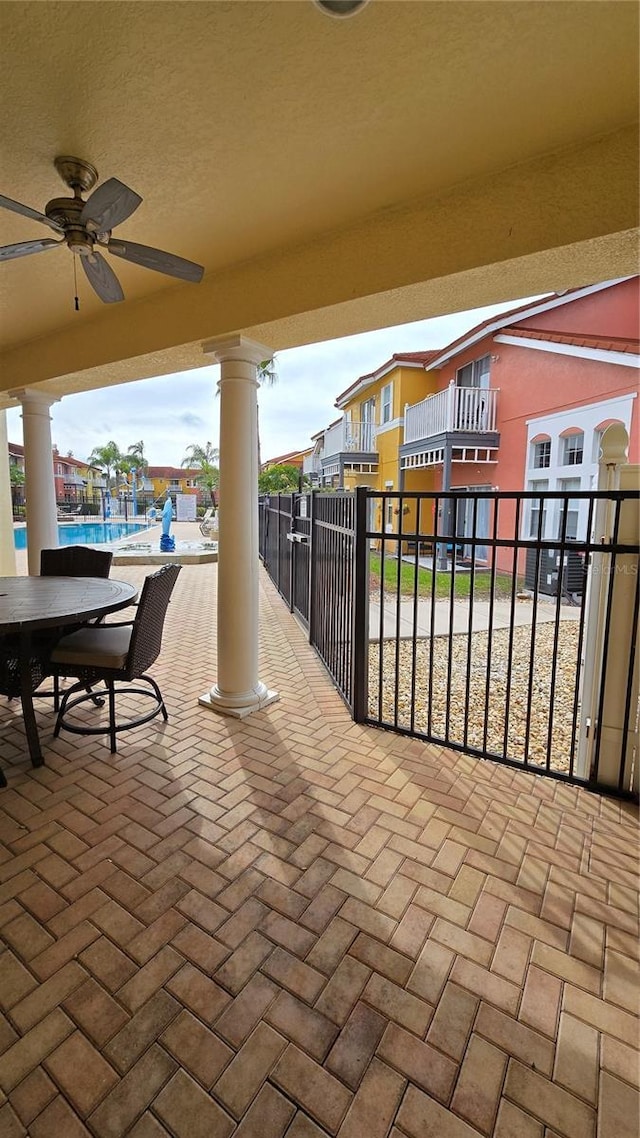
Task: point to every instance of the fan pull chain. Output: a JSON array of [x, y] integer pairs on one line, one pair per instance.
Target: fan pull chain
[[75, 284]]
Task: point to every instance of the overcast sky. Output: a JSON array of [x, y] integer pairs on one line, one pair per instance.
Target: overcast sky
[[173, 411]]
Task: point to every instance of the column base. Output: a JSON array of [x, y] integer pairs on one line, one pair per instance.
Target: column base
[[238, 705]]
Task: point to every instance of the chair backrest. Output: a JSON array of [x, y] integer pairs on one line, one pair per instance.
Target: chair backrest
[[146, 637], [75, 561]]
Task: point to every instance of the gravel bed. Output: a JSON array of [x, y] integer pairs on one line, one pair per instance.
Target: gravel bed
[[493, 718]]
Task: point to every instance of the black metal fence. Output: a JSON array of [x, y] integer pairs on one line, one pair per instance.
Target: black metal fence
[[502, 625], [307, 544]]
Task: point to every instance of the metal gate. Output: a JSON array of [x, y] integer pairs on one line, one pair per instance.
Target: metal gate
[[307, 545], [520, 645], [300, 558]]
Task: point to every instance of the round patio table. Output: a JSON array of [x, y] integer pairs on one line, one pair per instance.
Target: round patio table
[[31, 603]]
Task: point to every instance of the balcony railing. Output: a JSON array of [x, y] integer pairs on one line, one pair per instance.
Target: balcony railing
[[348, 435], [311, 464], [469, 409]]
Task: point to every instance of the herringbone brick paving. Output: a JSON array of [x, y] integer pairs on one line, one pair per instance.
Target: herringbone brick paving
[[298, 926]]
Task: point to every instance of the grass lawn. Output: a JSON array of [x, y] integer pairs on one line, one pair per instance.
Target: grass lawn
[[462, 588]]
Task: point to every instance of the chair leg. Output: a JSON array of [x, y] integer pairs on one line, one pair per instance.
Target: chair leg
[[156, 689], [61, 711], [112, 716]]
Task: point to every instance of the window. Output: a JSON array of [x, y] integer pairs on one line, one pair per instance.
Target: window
[[571, 506], [572, 450], [367, 412], [475, 374], [386, 403], [536, 526], [541, 454], [59, 469]]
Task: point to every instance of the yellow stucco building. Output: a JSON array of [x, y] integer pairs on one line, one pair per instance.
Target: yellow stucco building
[[371, 432]]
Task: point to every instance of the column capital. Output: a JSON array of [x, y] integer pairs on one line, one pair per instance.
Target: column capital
[[237, 347], [32, 397]]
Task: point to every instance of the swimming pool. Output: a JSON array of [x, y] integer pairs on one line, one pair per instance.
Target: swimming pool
[[86, 533]]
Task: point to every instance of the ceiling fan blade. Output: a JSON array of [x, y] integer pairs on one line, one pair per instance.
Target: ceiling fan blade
[[157, 260], [110, 204], [24, 248], [27, 211], [102, 278]]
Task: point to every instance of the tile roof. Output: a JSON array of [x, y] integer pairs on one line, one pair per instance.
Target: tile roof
[[604, 343], [398, 358], [505, 320], [172, 472]]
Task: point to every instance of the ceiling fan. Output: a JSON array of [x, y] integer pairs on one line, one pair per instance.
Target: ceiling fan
[[85, 225]]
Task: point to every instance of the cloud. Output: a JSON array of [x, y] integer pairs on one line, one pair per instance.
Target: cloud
[[190, 419]]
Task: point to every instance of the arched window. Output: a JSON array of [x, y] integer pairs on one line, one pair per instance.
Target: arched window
[[572, 446], [540, 452]]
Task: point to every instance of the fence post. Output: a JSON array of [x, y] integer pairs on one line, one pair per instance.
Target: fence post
[[292, 548], [360, 628], [312, 566], [608, 735]]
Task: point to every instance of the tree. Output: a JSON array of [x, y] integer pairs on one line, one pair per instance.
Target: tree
[[107, 458], [16, 475], [204, 459], [126, 464], [136, 451], [267, 376], [279, 479]]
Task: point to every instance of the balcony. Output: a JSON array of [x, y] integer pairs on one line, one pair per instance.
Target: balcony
[[347, 445], [349, 437], [458, 409], [312, 466], [459, 422]]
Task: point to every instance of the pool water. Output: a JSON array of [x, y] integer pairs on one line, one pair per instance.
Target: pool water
[[86, 533]]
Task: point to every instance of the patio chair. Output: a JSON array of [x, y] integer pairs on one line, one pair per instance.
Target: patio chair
[[111, 653], [71, 561], [75, 561], [205, 522]]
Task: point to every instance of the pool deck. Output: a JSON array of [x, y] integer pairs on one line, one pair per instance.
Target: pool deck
[[192, 548]]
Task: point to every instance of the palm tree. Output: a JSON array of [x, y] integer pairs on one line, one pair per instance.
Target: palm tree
[[267, 376], [204, 459], [137, 454], [106, 458]]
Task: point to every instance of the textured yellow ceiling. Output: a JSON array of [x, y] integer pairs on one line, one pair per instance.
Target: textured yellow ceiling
[[255, 128]]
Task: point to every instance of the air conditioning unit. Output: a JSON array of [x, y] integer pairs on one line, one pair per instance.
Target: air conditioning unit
[[569, 579]]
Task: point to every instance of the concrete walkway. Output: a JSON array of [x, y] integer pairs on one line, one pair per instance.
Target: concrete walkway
[[409, 621]]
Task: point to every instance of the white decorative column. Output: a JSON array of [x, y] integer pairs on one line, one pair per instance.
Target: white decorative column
[[611, 604], [40, 487], [7, 547], [238, 690]]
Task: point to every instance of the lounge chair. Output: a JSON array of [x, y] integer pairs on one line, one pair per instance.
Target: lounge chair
[[205, 522]]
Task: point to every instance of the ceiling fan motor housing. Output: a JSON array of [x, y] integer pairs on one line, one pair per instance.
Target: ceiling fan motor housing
[[66, 211]]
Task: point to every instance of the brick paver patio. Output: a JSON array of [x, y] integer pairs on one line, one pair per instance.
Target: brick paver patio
[[298, 926]]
